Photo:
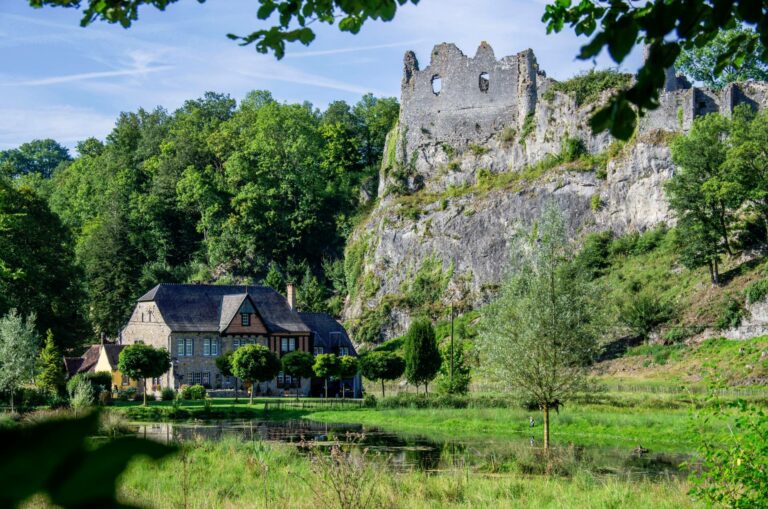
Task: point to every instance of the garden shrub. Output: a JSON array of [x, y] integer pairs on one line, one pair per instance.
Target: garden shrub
[[129, 394], [167, 394], [369, 401], [100, 381], [194, 392]]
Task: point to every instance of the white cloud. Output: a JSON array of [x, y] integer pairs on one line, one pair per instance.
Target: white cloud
[[355, 49]]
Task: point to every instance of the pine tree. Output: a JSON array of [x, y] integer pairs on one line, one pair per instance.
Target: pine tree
[[274, 278], [422, 356], [50, 367]]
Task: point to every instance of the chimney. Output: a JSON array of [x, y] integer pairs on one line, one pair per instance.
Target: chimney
[[290, 294]]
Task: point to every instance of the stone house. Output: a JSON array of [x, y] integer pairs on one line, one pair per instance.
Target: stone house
[[197, 323]]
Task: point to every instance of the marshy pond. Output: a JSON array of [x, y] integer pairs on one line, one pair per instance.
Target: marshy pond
[[418, 452]]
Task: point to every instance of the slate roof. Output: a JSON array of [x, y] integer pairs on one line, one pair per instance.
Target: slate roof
[[72, 365], [199, 308], [323, 325]]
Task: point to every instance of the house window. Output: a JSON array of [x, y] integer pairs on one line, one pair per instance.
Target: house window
[[287, 344], [197, 378], [343, 350], [215, 347], [189, 349], [206, 378], [236, 343], [180, 347], [207, 347], [318, 350], [245, 319]]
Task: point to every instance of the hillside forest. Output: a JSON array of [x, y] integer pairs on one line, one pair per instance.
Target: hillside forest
[[259, 192]]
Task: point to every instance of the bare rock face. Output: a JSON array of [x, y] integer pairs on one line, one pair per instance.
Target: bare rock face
[[478, 152]]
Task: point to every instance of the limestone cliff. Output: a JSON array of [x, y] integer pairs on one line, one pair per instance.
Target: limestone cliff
[[481, 146]]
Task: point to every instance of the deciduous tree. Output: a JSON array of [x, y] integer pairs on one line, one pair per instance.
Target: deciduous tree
[[326, 365], [18, 351], [255, 363], [379, 365], [539, 335], [298, 364], [143, 361]]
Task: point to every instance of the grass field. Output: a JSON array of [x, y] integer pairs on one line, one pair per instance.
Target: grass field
[[232, 474]]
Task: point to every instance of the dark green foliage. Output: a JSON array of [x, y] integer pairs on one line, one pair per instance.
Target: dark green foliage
[[167, 394], [37, 266], [143, 361], [586, 88], [571, 149], [59, 459], [703, 194], [731, 313], [311, 295], [298, 364], [224, 363], [422, 357], [593, 258], [642, 312], [38, 156]]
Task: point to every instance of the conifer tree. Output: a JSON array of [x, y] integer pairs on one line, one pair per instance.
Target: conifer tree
[[50, 366], [422, 356]]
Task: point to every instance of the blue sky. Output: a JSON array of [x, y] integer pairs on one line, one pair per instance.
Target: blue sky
[[60, 81]]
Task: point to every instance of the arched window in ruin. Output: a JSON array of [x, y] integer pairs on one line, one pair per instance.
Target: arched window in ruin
[[437, 84], [484, 81]]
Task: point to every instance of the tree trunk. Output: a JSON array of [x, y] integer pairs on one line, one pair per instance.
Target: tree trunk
[[426, 388], [236, 384], [382, 388], [546, 426], [11, 399], [716, 273], [144, 389], [326, 387], [251, 394]]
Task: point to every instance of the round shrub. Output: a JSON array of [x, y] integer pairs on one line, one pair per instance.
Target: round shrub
[[167, 394], [194, 392], [369, 401]]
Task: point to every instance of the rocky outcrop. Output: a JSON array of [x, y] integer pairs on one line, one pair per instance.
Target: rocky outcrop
[[481, 147]]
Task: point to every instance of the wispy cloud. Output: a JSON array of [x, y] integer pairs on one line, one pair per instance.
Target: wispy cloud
[[54, 80]]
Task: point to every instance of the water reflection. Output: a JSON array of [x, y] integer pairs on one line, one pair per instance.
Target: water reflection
[[416, 452]]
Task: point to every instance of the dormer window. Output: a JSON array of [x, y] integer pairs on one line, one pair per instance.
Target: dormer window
[[245, 319]]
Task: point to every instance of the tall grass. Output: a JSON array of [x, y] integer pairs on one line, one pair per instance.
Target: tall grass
[[234, 474]]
